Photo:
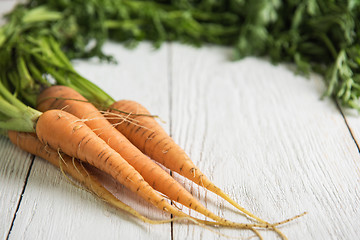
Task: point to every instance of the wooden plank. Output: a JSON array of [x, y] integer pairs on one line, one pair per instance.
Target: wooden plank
[[263, 135], [352, 118], [14, 166], [52, 208]]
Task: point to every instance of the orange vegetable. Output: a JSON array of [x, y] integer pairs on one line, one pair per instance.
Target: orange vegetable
[[62, 97], [67, 99], [81, 172], [146, 134], [67, 133], [74, 168]]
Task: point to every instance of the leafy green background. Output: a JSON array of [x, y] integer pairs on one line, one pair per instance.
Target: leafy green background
[[316, 35]]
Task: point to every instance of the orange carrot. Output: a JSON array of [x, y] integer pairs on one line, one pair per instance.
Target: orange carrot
[[67, 133], [74, 168], [146, 134], [62, 97], [30, 143], [63, 131], [80, 172]]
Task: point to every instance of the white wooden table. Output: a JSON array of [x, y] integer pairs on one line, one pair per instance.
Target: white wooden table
[[260, 132]]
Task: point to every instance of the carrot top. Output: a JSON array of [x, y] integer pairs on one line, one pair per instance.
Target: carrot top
[[15, 115]]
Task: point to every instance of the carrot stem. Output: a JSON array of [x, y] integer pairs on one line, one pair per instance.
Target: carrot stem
[[15, 114]]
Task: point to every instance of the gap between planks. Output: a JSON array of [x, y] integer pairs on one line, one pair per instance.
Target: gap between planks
[[347, 125], [170, 79], [21, 196]]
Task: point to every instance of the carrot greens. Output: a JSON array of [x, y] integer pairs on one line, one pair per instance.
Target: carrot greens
[[317, 35], [14, 115]]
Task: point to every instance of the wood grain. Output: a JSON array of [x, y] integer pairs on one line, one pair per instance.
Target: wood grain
[[263, 134], [14, 167]]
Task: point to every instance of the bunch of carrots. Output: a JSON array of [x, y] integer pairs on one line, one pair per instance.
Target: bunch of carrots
[[74, 124], [69, 130]]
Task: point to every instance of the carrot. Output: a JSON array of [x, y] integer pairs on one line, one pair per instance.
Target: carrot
[[81, 172], [73, 167], [62, 97], [63, 131], [141, 128], [146, 134], [67, 133]]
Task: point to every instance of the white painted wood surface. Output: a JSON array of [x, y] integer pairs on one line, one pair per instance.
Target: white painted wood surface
[[257, 130]]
